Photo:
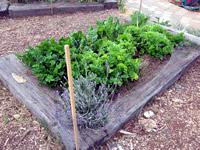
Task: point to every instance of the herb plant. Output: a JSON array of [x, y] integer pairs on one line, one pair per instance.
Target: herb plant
[[109, 51], [91, 102], [155, 44], [139, 19]]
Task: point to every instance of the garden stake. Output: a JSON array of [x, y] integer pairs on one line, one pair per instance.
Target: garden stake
[[140, 9], [71, 93]]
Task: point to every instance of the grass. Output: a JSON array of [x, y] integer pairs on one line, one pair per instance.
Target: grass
[[6, 119]]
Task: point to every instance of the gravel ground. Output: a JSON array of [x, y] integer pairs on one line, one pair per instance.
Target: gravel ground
[[173, 120], [18, 34], [174, 123]]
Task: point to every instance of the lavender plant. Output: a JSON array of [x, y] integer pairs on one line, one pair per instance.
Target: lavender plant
[[91, 102]]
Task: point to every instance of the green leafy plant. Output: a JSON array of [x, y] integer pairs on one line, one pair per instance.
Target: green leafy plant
[[121, 5], [109, 28], [109, 51], [139, 19], [46, 61], [155, 44], [162, 22], [175, 39], [112, 65]]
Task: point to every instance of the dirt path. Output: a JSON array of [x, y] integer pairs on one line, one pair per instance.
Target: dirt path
[[175, 123]]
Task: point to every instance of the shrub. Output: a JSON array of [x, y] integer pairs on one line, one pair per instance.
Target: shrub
[[46, 61], [136, 34]]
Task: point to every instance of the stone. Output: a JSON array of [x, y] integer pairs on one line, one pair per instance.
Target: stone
[[16, 116], [177, 100], [149, 124], [149, 114]]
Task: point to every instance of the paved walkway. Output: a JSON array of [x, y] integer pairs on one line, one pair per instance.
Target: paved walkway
[[167, 11]]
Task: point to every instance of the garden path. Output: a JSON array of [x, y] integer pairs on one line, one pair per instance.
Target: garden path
[[166, 11]]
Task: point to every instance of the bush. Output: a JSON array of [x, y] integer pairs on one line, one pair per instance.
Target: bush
[[47, 62]]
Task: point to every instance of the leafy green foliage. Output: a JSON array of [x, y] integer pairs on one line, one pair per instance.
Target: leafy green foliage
[[105, 51], [162, 22], [156, 44], [109, 51], [121, 5], [46, 61], [112, 65], [109, 28], [175, 39], [138, 19]]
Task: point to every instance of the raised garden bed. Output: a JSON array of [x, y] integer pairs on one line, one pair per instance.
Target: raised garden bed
[[47, 105], [4, 5], [40, 9]]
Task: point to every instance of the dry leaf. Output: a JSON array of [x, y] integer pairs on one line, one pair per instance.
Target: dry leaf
[[127, 133], [18, 78]]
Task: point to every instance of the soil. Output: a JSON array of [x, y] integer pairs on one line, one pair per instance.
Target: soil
[[19, 34], [149, 67], [19, 130]]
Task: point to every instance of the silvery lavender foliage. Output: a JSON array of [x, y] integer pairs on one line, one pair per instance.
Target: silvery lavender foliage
[[91, 103]]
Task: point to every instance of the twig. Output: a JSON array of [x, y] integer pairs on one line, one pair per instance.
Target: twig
[[25, 134], [6, 142]]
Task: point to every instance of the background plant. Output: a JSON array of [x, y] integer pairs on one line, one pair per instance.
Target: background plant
[[121, 5], [139, 19]]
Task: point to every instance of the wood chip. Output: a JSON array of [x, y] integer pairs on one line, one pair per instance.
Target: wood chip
[[126, 132], [18, 79]]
